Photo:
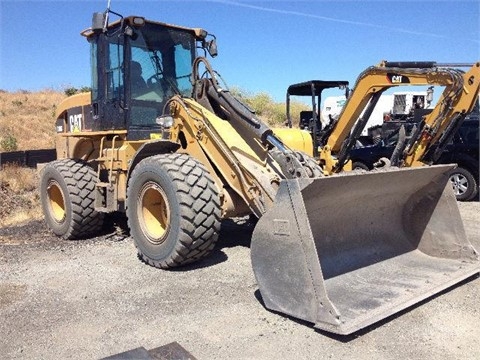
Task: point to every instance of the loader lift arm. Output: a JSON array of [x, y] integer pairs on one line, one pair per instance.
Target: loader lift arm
[[261, 138], [457, 100]]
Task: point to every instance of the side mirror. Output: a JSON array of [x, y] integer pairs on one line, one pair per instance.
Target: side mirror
[[212, 47]]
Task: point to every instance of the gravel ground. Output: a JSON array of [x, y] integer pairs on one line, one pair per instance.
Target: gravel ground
[[93, 298]]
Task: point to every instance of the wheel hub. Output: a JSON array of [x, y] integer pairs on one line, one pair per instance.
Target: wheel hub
[[459, 183], [154, 213], [56, 201]]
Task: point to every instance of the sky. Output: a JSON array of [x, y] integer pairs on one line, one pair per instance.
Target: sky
[[264, 46]]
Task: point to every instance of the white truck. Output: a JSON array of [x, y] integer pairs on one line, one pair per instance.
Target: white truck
[[393, 106]]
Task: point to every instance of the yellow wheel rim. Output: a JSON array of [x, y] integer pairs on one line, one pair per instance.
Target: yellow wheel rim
[[154, 213], [56, 201]]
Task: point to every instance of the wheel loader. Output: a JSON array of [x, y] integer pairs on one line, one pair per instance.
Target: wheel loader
[[163, 140]]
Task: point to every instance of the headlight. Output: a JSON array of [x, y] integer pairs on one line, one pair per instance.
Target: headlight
[[165, 121]]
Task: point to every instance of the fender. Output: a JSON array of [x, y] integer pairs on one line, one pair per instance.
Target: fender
[[463, 160], [151, 148]]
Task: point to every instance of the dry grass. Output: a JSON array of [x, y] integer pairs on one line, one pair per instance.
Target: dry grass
[[19, 198], [18, 179], [29, 117]]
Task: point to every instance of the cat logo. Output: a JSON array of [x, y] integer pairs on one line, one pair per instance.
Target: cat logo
[[397, 79], [75, 122]]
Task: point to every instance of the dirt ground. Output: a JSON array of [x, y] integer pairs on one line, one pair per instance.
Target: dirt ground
[[93, 298]]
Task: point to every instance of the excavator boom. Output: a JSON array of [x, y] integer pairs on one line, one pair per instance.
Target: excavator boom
[[458, 98], [437, 128]]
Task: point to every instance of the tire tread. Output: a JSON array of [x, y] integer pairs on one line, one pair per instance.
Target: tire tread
[[80, 180], [200, 209]]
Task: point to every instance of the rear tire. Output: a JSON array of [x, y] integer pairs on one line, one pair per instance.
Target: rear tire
[[464, 184], [173, 210], [67, 195], [359, 165]]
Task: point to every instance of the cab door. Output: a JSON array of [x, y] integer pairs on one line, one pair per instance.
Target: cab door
[[108, 79]]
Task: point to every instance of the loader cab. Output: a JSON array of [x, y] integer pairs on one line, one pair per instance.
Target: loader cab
[[137, 65]]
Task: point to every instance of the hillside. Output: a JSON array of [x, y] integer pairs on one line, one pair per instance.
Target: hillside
[[27, 119], [26, 123]]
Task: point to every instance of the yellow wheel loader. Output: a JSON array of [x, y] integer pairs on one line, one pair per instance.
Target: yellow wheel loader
[[161, 139]]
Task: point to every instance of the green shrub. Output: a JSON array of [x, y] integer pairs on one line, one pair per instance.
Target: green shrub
[[71, 91], [8, 143], [54, 110]]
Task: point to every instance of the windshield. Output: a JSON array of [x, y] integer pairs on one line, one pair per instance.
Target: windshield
[[163, 57], [161, 65]]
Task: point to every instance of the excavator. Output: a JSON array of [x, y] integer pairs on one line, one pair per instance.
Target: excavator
[[430, 136], [161, 139]]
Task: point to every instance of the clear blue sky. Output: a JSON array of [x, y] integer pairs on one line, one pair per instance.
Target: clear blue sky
[[263, 45]]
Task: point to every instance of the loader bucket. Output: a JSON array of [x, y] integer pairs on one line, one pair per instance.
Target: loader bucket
[[346, 251]]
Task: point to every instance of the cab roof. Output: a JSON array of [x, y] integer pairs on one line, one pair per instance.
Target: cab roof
[[132, 20], [305, 88]]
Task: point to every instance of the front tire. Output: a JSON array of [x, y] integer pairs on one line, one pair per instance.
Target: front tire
[[313, 169], [173, 210], [67, 195]]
